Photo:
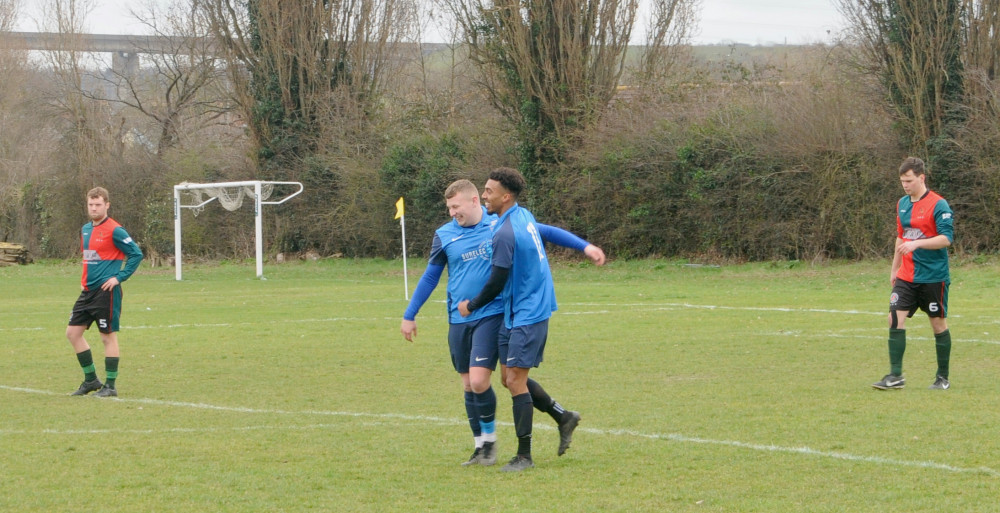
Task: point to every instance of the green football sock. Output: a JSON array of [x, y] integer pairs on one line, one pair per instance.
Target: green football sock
[[942, 342], [897, 346], [86, 360], [111, 366]]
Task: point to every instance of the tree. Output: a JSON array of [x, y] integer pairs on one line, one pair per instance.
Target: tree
[[982, 56], [668, 29], [181, 85], [915, 48], [297, 64], [982, 44], [8, 14], [13, 127], [549, 66], [87, 128]]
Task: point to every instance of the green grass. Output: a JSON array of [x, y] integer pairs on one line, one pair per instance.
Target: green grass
[[733, 389]]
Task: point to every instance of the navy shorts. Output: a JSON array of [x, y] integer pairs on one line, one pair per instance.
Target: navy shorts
[[907, 297], [100, 306], [474, 344], [523, 346]]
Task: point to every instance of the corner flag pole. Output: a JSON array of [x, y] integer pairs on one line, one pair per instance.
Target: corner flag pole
[[402, 225]]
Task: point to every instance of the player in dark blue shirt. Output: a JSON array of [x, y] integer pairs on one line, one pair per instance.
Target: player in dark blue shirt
[[464, 246], [520, 272]]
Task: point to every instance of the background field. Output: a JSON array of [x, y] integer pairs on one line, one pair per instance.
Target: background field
[[733, 389]]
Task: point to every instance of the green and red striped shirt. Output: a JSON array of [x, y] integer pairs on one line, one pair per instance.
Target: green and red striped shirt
[[928, 217], [105, 248]]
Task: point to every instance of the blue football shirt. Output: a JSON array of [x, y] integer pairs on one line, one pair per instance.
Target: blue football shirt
[[466, 250], [529, 295]]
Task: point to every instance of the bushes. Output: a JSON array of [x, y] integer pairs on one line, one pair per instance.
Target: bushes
[[420, 170], [749, 172], [796, 161]]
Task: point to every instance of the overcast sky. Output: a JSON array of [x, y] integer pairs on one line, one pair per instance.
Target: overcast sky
[[721, 21], [768, 21]]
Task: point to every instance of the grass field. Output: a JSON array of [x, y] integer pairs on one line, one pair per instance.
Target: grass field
[[733, 389]]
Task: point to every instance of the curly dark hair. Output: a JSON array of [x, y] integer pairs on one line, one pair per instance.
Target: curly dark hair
[[510, 179]]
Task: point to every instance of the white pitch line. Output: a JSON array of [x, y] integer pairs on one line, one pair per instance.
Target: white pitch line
[[668, 306], [642, 307], [802, 450], [672, 437], [633, 307], [276, 321], [799, 333], [231, 324], [74, 432]]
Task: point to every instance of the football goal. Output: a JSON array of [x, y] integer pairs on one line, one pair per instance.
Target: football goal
[[230, 195]]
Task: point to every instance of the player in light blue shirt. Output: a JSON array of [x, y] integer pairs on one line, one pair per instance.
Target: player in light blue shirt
[[520, 272], [464, 246]]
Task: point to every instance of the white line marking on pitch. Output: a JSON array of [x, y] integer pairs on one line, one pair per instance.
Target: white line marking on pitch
[[672, 437], [74, 432], [231, 324], [800, 450], [633, 307], [800, 333]]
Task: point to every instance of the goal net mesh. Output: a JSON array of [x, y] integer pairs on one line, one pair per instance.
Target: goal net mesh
[[231, 198]]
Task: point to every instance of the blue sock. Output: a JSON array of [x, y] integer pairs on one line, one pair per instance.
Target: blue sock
[[486, 405]]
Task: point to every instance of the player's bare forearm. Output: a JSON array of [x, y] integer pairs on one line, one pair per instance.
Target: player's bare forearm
[[897, 260], [936, 242]]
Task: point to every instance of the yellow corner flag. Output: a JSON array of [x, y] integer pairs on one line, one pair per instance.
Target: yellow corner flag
[[399, 208]]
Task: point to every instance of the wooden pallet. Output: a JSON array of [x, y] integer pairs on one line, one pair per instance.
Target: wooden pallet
[[13, 254]]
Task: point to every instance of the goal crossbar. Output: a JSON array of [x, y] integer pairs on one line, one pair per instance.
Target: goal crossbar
[[259, 200]]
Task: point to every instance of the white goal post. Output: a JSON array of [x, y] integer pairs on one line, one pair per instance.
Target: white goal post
[[230, 196]]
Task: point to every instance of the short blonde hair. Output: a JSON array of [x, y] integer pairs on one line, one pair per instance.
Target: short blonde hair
[[461, 186]]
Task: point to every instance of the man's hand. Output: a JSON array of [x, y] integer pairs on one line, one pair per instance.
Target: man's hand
[[595, 254], [408, 329], [907, 247], [110, 284], [463, 308]]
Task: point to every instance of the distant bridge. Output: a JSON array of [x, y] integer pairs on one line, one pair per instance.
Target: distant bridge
[[124, 49]]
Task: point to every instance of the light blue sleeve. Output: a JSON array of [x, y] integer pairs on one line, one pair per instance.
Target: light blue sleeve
[[429, 280], [561, 237]]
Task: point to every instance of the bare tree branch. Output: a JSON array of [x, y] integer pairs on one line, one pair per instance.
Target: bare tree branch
[[549, 66]]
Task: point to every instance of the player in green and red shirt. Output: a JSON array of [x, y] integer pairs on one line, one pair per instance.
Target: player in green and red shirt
[[919, 275], [105, 246]]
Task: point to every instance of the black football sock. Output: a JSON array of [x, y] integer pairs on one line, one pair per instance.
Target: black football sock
[[541, 399], [473, 413], [523, 413], [942, 342], [111, 367], [86, 359], [486, 406], [897, 346]]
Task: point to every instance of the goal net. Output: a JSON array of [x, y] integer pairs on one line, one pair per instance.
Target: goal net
[[196, 196]]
